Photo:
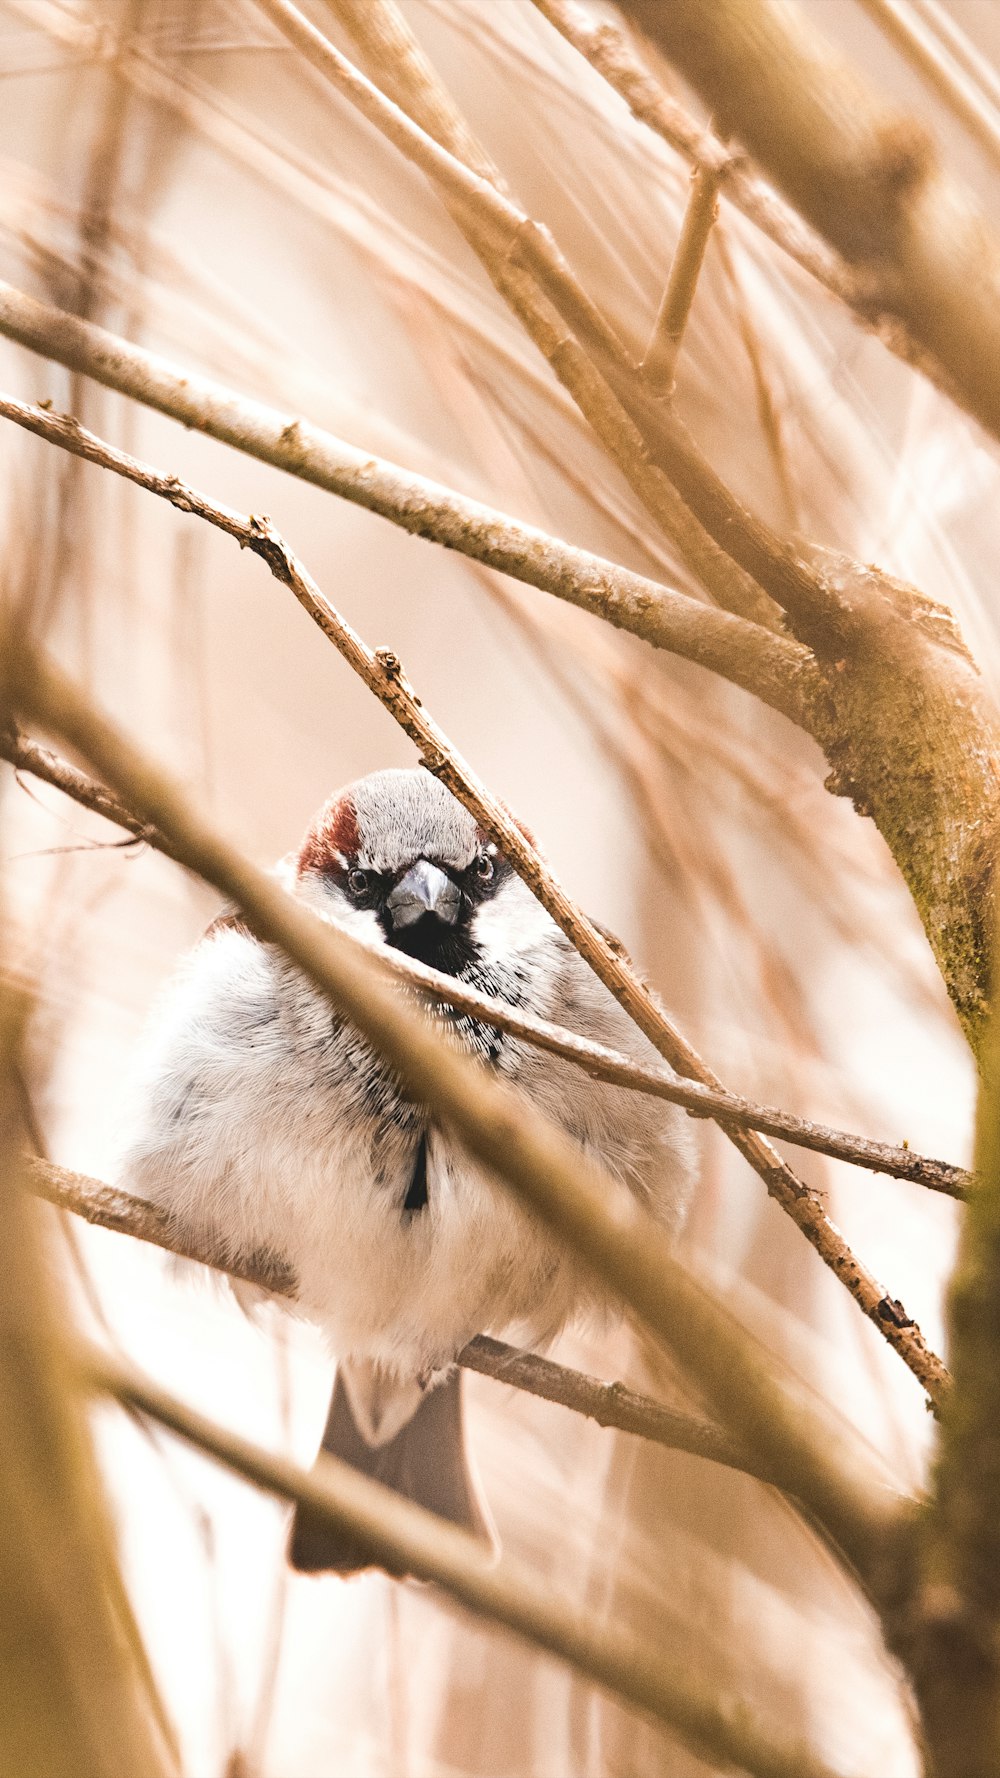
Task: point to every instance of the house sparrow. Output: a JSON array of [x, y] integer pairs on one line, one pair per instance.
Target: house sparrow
[[267, 1124]]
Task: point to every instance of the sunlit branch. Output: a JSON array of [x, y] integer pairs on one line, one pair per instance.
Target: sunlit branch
[[773, 668], [535, 281], [867, 176], [919, 47], [611, 53], [611, 1405]]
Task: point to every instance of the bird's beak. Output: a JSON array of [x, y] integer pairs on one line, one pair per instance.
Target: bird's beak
[[424, 890]]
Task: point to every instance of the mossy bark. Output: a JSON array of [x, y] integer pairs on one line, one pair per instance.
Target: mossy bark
[[912, 735]]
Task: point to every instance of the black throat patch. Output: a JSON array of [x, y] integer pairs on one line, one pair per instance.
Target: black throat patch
[[416, 1191]]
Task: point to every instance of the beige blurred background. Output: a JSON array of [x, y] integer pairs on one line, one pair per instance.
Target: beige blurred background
[[238, 217]]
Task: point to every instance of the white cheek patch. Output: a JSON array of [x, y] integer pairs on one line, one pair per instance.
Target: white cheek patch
[[512, 921], [327, 900]]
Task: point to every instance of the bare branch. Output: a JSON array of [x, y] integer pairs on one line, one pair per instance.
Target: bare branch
[[511, 232], [382, 673], [596, 1060], [27, 755], [612, 1405], [775, 669], [409, 1540], [657, 367], [602, 1223], [867, 177]]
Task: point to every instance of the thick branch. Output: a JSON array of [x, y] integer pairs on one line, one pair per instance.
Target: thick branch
[[382, 673], [407, 1539], [948, 1627], [865, 176], [772, 668], [763, 1406]]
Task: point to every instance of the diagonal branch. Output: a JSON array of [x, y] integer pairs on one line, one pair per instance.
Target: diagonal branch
[[771, 667], [596, 1060], [382, 672], [612, 1405], [900, 711], [700, 212], [925, 53], [407, 1539], [598, 1219], [610, 52]]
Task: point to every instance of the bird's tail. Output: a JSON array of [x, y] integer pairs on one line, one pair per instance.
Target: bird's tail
[[409, 1438]]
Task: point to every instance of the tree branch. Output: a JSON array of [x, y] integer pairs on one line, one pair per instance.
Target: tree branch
[[382, 673], [658, 365], [866, 177], [594, 1058], [947, 1623], [773, 668], [407, 1539], [611, 1405], [761, 1404], [923, 52]]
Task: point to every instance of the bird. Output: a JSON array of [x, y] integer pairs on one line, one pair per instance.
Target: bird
[[266, 1124]]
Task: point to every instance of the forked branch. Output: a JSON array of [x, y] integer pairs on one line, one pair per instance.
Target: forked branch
[[867, 177]]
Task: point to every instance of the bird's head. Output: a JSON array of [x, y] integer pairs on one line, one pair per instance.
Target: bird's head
[[401, 860]]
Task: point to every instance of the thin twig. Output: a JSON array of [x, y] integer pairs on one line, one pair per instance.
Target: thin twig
[[382, 672], [700, 212], [610, 52], [515, 235], [409, 1540], [966, 53], [594, 1058], [28, 755], [760, 1402]]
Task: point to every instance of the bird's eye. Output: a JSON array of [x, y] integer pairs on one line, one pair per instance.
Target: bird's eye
[[358, 882], [484, 867]]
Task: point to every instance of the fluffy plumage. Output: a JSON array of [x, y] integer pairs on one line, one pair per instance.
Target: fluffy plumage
[[267, 1123]]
